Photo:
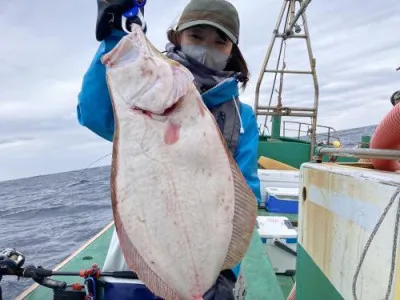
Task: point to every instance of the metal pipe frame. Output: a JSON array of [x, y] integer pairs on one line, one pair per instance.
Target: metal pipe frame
[[266, 59], [360, 153], [302, 9], [289, 5], [290, 114], [286, 108], [288, 71], [294, 36]]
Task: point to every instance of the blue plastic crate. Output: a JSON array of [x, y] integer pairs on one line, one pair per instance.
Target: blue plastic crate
[[282, 200]]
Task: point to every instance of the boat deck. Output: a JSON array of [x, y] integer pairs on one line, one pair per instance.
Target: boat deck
[[261, 281]]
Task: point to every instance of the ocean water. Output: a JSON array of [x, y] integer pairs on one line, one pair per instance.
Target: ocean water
[[48, 217]]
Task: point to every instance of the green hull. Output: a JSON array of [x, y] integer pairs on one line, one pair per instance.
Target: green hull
[[288, 151], [319, 285]]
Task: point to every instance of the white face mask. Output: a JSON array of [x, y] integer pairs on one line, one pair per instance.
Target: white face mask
[[208, 56]]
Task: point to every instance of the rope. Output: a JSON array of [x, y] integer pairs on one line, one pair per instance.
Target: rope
[[394, 246], [281, 75]]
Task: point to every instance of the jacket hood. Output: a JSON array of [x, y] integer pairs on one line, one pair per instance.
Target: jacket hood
[[225, 91]]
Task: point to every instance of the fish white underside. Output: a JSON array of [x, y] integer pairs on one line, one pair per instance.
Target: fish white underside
[[177, 200]]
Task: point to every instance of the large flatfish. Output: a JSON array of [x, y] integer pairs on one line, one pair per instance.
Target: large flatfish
[[182, 209]]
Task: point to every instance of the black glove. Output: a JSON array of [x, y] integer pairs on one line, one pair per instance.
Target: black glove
[[109, 16], [223, 287], [10, 261]]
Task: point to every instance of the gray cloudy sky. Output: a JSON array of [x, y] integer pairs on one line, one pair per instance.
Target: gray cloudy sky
[[47, 46]]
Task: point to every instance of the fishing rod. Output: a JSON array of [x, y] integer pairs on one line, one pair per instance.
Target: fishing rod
[[11, 264]]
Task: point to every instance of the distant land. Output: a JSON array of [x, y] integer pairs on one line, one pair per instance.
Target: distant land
[[349, 138]]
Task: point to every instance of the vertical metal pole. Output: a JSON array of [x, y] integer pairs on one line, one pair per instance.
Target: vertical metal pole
[[276, 127], [329, 135], [299, 132], [365, 141], [284, 129], [268, 55], [315, 80]]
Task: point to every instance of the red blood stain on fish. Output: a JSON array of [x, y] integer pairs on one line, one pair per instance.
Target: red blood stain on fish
[[171, 133], [201, 106]]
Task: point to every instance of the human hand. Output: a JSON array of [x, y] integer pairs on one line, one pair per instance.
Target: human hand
[[110, 15]]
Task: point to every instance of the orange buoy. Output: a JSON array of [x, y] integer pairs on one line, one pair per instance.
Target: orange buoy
[[387, 136]]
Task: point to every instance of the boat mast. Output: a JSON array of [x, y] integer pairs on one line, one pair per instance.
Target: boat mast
[[276, 112]]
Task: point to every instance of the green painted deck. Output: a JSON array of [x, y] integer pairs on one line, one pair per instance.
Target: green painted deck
[[94, 252], [261, 281]]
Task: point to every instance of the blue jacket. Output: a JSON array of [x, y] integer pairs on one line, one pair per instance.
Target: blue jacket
[[95, 112]]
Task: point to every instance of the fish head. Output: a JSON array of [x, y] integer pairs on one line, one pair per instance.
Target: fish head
[[144, 78]]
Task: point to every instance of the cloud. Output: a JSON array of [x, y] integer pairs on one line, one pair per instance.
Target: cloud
[[44, 56]]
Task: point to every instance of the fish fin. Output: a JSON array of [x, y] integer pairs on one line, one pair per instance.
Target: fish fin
[[137, 264], [244, 219], [245, 212]]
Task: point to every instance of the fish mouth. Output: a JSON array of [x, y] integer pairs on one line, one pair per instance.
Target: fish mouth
[[167, 111]]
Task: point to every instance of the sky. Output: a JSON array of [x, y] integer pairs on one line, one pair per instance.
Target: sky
[[47, 47]]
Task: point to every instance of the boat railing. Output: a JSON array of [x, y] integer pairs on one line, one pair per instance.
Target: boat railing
[[387, 154], [304, 130]]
